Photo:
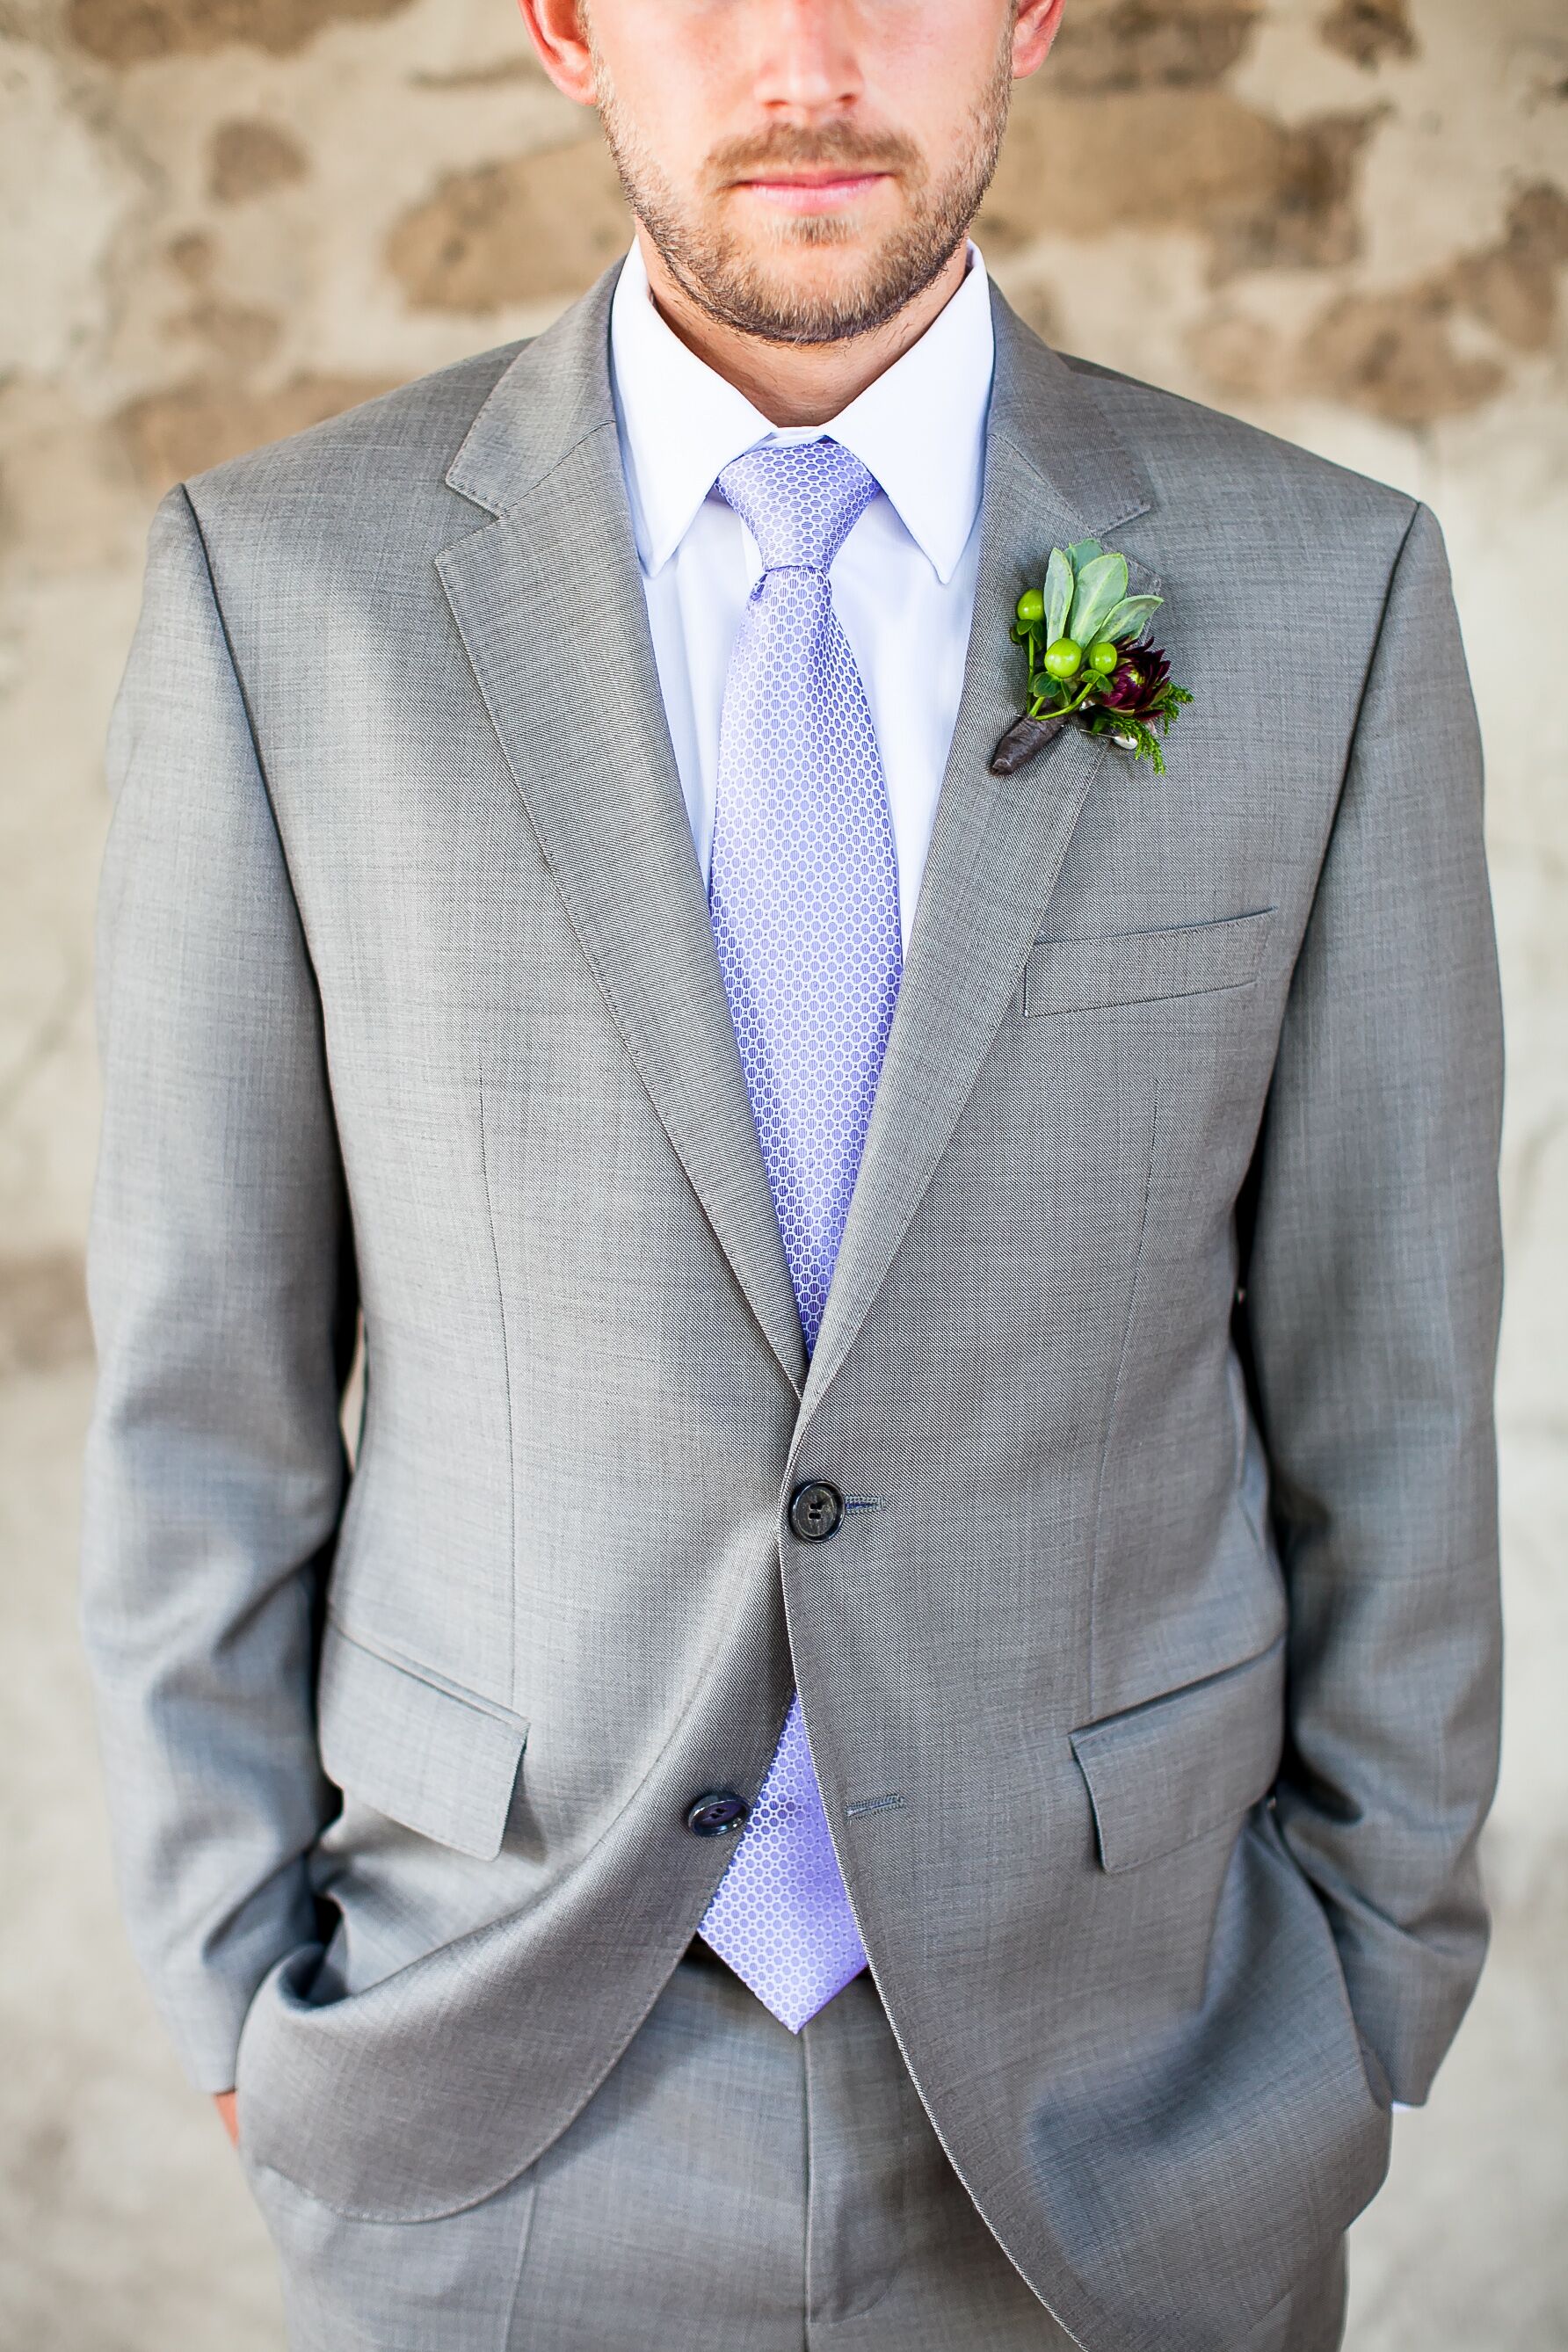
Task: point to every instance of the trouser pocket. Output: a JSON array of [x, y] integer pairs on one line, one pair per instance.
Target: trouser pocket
[[353, 2285]]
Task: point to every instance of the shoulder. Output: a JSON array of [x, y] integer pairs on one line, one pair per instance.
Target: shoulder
[[380, 448], [354, 507], [1233, 479]]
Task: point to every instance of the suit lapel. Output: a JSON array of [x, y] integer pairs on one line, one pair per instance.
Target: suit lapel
[[549, 602], [1054, 473]]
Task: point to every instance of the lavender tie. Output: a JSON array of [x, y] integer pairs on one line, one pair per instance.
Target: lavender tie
[[803, 898]]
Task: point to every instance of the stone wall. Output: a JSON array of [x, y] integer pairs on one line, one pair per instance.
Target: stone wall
[[1345, 219]]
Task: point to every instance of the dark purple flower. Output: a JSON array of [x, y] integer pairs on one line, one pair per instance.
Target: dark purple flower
[[1136, 683]]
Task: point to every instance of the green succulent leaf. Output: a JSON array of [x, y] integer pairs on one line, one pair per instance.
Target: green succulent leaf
[[1082, 551], [1058, 594], [1101, 586], [1125, 620]]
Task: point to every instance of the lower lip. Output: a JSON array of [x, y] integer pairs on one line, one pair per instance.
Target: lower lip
[[812, 196]]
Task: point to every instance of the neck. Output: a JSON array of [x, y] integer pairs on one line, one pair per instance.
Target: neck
[[796, 384]]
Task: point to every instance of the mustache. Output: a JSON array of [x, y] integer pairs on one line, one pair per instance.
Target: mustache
[[788, 146]]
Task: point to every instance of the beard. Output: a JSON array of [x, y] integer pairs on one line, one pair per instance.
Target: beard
[[752, 291]]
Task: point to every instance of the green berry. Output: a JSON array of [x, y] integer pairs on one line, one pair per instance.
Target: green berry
[[1063, 658], [1103, 656], [1031, 608]]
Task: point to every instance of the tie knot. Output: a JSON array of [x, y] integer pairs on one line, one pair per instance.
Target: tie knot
[[799, 499]]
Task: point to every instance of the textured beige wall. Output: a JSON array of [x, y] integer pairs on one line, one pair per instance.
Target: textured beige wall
[[221, 219]]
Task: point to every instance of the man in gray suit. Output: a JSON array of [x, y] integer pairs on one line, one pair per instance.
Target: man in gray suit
[[884, 1744]]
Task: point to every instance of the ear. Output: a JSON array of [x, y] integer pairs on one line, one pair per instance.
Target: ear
[[557, 30], [1034, 29]]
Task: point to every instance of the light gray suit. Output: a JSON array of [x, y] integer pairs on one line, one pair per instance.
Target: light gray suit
[[1154, 1688]]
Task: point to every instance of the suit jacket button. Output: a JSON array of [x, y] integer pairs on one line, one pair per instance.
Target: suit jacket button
[[816, 1511], [719, 1814]]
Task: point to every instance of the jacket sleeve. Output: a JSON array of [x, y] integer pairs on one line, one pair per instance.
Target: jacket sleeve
[[218, 1273], [1372, 1291]]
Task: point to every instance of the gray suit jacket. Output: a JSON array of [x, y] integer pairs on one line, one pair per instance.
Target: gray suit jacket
[[1153, 1681]]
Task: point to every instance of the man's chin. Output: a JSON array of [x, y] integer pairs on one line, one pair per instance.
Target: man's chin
[[808, 282]]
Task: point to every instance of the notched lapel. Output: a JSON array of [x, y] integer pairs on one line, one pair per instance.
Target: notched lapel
[[1055, 473], [549, 604]]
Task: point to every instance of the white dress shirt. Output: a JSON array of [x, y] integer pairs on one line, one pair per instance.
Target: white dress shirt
[[903, 580]]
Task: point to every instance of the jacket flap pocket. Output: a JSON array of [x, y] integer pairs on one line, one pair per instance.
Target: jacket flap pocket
[[1168, 1771], [438, 1760], [1139, 967]]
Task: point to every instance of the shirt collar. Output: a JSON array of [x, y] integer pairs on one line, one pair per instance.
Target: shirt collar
[[919, 427]]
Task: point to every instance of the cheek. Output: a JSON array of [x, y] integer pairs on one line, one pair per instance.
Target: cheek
[[681, 76], [929, 66]]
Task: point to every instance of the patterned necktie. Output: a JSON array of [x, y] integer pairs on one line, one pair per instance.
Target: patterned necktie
[[803, 900]]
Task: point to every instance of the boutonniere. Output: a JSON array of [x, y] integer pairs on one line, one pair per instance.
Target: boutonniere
[[1089, 661]]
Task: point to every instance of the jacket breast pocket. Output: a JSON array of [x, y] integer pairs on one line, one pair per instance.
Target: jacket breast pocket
[[1142, 967], [441, 1760], [1166, 1773]]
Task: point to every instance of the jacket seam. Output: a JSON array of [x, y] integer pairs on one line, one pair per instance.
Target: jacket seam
[[250, 727], [1113, 1414], [319, 1563], [1353, 740], [1374, 649], [506, 1385]]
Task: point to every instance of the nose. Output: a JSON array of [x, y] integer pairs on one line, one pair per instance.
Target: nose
[[807, 62]]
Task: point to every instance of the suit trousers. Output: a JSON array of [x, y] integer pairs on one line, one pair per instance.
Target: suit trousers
[[731, 2186]]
